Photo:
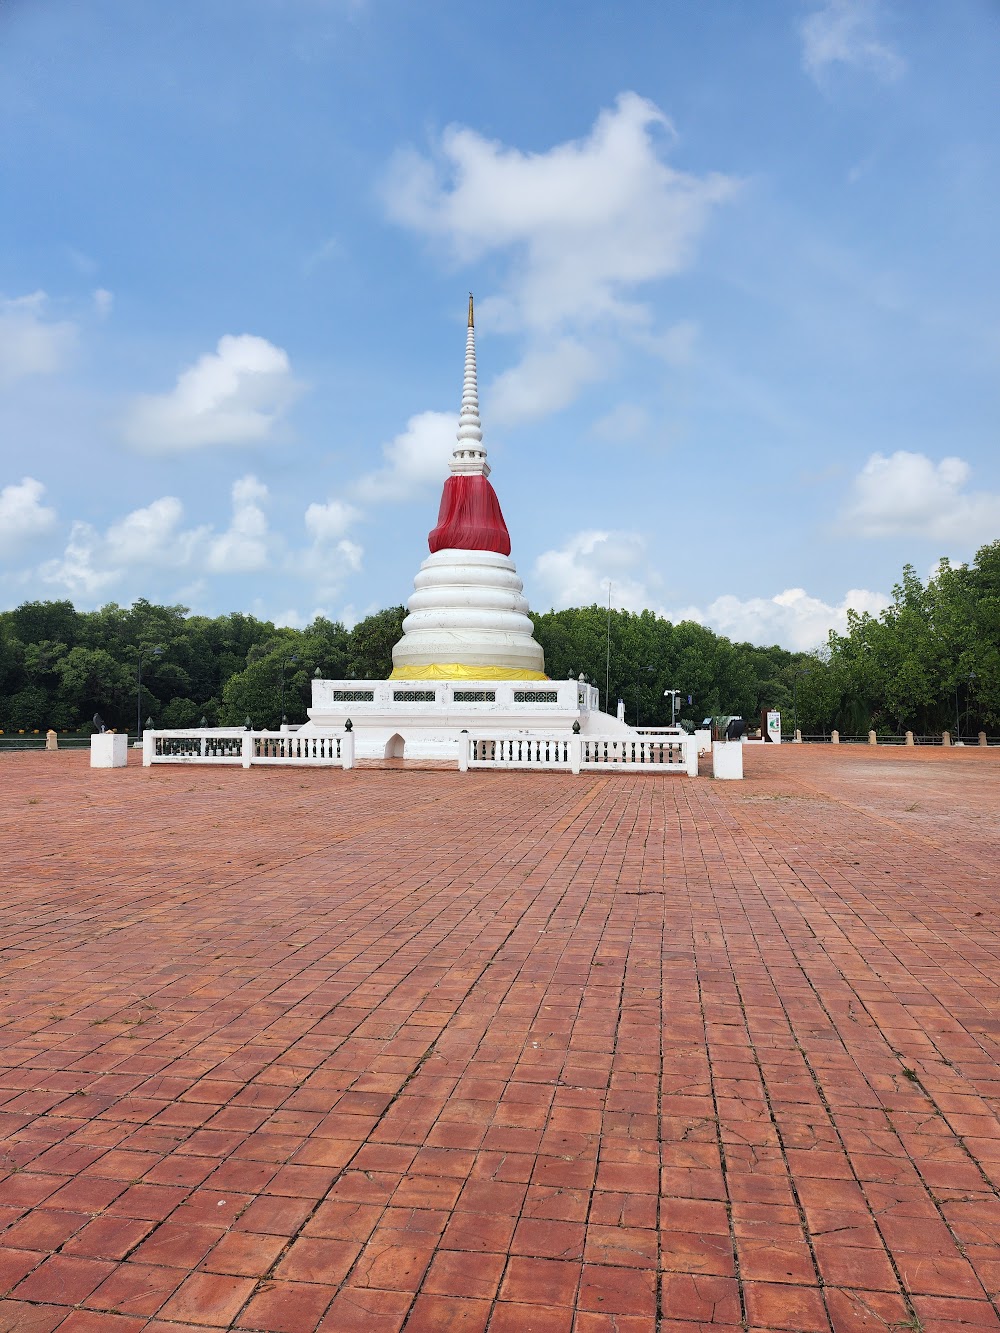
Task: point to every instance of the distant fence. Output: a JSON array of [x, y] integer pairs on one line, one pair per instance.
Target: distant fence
[[935, 738], [37, 742]]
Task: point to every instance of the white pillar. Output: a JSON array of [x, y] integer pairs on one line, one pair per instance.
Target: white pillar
[[246, 750], [834, 737], [463, 752], [798, 736], [982, 738], [108, 750], [946, 738], [872, 738], [575, 753], [347, 749], [691, 756], [148, 748], [909, 738]]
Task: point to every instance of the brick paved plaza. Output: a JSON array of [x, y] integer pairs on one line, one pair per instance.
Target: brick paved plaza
[[287, 1050]]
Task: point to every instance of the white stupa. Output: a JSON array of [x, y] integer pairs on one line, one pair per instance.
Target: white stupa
[[468, 657], [468, 616]]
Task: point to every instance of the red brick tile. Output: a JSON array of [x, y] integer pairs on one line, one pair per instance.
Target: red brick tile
[[700, 1299], [244, 1254], [139, 1289], [288, 1307], [213, 1299], [20, 1317], [108, 1237], [853, 1311], [177, 1245], [43, 1229], [312, 1259], [540, 1281], [373, 1311], [512, 1318], [62, 1280], [393, 1261], [617, 1290], [89, 1321], [779, 1305], [464, 1273], [432, 1314]]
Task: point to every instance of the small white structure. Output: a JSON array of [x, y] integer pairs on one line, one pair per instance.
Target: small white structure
[[108, 749], [727, 759]]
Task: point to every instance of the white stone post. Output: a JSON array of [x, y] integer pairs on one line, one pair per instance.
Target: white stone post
[[727, 759], [982, 738], [798, 736], [51, 740], [575, 753], [872, 738], [691, 757], [946, 738], [148, 748], [108, 750], [347, 749], [246, 749], [834, 737], [463, 752], [909, 738]]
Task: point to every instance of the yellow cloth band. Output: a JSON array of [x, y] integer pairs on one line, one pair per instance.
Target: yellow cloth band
[[460, 671]]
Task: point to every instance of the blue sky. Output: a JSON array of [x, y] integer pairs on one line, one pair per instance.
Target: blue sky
[[735, 268]]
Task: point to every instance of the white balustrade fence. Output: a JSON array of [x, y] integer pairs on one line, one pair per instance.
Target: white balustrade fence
[[575, 754], [247, 748]]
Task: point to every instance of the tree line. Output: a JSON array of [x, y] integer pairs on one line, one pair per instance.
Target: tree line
[[931, 659]]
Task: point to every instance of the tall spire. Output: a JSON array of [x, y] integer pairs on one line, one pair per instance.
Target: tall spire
[[469, 456]]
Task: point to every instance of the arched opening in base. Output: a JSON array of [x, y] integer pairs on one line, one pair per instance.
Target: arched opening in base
[[394, 747]]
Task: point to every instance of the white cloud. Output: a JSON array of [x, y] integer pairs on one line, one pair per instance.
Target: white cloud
[[845, 32], [548, 378], [103, 301], [22, 514], [326, 522], [587, 220], [30, 344], [578, 573], [416, 457], [234, 395], [80, 571], [627, 421], [791, 618], [153, 536], [244, 546], [581, 227], [910, 493]]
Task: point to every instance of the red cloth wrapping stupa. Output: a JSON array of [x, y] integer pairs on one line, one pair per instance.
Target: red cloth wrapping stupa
[[469, 518]]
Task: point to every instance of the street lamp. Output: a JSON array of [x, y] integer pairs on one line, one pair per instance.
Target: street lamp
[[288, 661], [152, 652], [968, 701], [806, 671], [638, 670], [675, 705]]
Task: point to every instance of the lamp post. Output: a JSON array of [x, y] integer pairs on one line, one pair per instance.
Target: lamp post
[[638, 672], [288, 661], [674, 697], [152, 652], [968, 700], [806, 671]]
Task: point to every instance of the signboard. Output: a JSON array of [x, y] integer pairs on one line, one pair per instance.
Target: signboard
[[773, 732]]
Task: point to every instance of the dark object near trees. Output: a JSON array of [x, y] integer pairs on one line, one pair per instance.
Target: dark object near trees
[[99, 724], [736, 730]]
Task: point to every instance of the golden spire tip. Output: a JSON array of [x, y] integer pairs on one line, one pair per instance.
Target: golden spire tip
[[471, 322]]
